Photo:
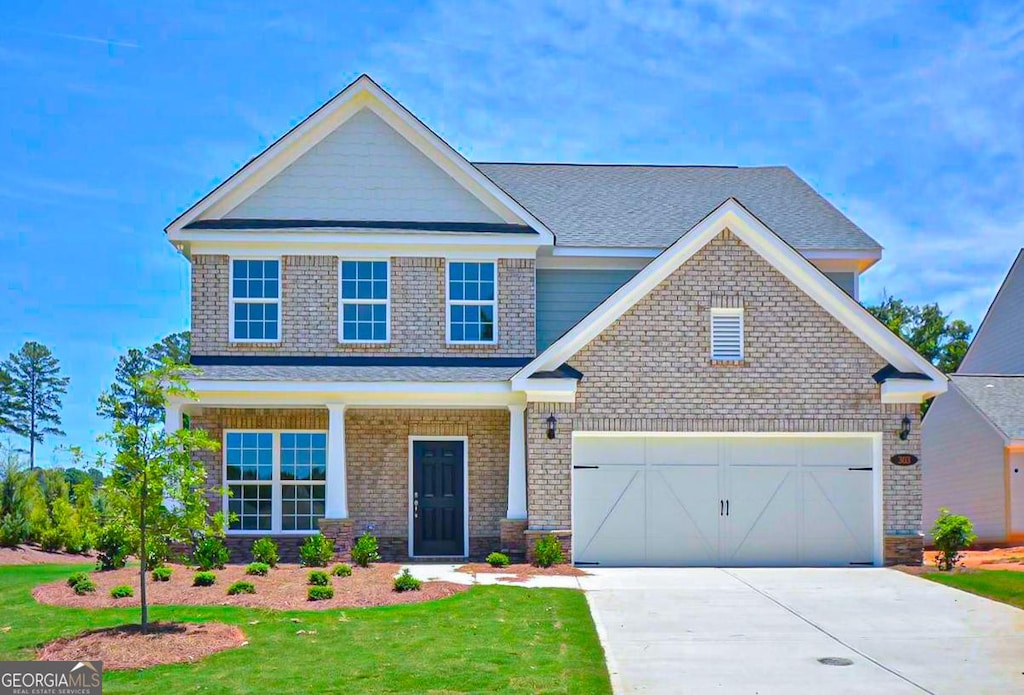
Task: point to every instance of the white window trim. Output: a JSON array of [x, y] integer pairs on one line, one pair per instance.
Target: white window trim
[[465, 488], [232, 301], [468, 302], [385, 302], [276, 484], [716, 312]]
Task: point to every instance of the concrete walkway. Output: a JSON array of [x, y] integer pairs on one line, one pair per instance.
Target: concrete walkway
[[447, 573]]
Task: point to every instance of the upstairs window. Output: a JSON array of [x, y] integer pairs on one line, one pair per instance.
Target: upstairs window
[[364, 301], [255, 300], [727, 335], [472, 302]]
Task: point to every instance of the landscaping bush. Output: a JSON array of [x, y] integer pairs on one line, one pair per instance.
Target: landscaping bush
[[51, 539], [342, 570], [112, 547], [498, 560], [320, 593], [264, 550], [86, 586], [204, 579], [257, 569], [162, 574], [122, 591], [365, 550], [319, 578], [952, 534], [76, 578], [316, 551], [547, 551], [210, 553], [241, 587], [13, 529], [406, 582]]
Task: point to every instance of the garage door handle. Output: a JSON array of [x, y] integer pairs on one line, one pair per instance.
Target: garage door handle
[[721, 507], [727, 507]]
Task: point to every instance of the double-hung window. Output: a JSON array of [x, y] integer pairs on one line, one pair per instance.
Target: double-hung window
[[364, 301], [472, 302], [255, 300]]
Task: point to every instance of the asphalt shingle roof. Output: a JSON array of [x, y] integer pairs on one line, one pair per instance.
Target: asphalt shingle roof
[[359, 374], [652, 206], [1000, 398]]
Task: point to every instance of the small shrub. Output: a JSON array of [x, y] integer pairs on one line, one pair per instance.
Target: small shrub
[[498, 560], [264, 550], [76, 578], [365, 550], [204, 579], [51, 539], [122, 591], [316, 551], [210, 553], [241, 587], [14, 529], [162, 574], [342, 570], [406, 582], [86, 586], [111, 547], [320, 593], [257, 569], [77, 540], [547, 551], [952, 534], [319, 578]]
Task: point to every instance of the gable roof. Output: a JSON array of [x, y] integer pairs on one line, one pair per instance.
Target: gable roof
[[998, 344], [646, 206], [735, 217], [1000, 398]]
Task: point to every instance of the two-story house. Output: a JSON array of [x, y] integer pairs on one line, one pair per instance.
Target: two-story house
[[659, 365]]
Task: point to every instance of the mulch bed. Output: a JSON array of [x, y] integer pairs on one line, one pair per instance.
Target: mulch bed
[[34, 555], [1011, 559], [126, 647], [284, 588], [522, 572]]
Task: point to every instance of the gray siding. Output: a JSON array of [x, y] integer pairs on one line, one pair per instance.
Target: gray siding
[[848, 281], [998, 347], [566, 296]]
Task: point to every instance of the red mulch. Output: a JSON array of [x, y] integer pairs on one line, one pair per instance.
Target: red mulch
[[34, 555], [521, 571], [284, 588], [125, 646]]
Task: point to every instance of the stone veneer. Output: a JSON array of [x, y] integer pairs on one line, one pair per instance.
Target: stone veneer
[[309, 309]]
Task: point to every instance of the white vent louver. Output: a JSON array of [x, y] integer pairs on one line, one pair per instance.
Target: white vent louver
[[727, 334]]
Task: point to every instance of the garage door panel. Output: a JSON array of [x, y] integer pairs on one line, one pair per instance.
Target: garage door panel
[[837, 452], [836, 508], [763, 516], [682, 518], [609, 451], [760, 451], [609, 528], [682, 450]]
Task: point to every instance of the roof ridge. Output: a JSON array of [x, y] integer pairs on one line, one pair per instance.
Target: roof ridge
[[637, 165], [985, 375]]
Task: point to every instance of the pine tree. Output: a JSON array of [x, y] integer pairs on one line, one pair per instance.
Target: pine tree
[[36, 388]]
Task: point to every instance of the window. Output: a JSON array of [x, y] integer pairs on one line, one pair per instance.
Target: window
[[364, 301], [276, 480], [255, 300], [472, 305], [727, 335]]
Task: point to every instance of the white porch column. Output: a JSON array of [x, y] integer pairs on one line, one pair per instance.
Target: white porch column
[[516, 462], [337, 487], [172, 417]]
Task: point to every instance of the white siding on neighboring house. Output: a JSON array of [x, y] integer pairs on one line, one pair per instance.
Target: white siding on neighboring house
[[962, 460], [998, 347], [364, 170]]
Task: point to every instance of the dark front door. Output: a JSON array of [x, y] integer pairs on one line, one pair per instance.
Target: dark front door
[[438, 498]]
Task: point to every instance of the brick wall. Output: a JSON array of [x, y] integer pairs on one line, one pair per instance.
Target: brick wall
[[309, 309]]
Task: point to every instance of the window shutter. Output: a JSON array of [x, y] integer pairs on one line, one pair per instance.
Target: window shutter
[[727, 334]]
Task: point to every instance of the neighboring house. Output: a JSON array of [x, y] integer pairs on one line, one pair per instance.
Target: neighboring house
[[973, 436], [658, 365]]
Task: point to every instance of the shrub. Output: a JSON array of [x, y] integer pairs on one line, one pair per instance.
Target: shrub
[[320, 593], [51, 539], [77, 540], [498, 560], [13, 529], [241, 587], [547, 551], [365, 550], [122, 591], [952, 534], [112, 547], [162, 574], [86, 586], [210, 553], [76, 578], [342, 570], [317, 550], [406, 582], [204, 579], [319, 578], [264, 550], [257, 569]]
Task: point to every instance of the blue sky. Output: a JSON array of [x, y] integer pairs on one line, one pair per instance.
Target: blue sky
[[115, 117]]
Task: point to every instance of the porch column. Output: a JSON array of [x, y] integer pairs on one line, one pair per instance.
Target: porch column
[[516, 462], [337, 488], [172, 417]]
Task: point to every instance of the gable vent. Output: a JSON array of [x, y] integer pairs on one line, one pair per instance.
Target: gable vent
[[727, 335]]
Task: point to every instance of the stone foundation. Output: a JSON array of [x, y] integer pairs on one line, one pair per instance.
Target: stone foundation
[[904, 550], [564, 537], [513, 537], [339, 531], [240, 547]]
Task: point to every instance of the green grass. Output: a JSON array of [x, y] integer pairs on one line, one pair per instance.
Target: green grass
[[1000, 585], [488, 639]]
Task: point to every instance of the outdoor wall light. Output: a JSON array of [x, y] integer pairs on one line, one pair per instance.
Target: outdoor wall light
[[905, 430], [551, 426]]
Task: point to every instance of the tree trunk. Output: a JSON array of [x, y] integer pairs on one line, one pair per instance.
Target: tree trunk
[[142, 557]]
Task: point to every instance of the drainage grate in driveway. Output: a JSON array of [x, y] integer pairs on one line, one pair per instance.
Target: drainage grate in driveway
[[835, 661]]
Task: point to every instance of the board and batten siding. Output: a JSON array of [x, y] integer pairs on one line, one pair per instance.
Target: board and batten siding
[[962, 466], [564, 296]]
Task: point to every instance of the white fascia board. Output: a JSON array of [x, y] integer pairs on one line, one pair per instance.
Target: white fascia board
[[733, 216], [546, 390], [912, 390]]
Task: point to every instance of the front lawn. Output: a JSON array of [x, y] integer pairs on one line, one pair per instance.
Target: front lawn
[[1006, 586], [488, 639]]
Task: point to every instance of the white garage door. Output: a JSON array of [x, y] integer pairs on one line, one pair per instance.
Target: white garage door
[[723, 501]]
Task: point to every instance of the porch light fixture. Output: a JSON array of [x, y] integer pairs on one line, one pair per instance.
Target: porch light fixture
[[551, 426], [905, 430]]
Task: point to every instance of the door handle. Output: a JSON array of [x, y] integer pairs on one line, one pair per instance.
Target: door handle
[[721, 508], [415, 508], [727, 507]]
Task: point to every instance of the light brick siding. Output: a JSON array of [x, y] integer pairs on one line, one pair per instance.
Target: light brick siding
[[650, 371], [309, 309]]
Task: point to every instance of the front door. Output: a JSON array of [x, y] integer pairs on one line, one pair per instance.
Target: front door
[[438, 498]]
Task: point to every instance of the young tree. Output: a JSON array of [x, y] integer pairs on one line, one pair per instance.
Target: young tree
[[123, 401], [37, 390], [175, 348]]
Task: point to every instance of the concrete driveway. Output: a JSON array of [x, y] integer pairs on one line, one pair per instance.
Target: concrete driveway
[[764, 630]]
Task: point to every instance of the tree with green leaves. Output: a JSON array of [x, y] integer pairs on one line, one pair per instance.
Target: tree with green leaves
[[176, 348], [123, 401], [937, 337], [37, 390], [6, 400]]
